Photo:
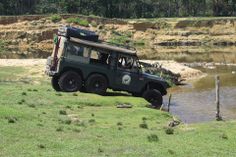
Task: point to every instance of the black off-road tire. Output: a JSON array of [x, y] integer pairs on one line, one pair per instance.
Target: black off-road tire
[[55, 84], [154, 97], [96, 84], [70, 81]]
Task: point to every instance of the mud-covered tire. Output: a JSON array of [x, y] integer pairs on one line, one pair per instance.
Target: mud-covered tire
[[154, 97], [55, 84], [70, 81], [96, 84]]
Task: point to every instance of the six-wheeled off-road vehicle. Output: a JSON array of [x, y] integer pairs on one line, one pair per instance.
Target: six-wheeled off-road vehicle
[[80, 62]]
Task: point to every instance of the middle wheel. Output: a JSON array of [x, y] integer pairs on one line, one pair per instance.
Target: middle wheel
[[97, 84]]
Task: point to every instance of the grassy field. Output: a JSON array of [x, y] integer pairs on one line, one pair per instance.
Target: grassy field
[[37, 121]]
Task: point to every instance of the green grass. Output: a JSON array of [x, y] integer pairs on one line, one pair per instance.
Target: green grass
[[55, 18], [80, 125], [2, 45], [81, 22]]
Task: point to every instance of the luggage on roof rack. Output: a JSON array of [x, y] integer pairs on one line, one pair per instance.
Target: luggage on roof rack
[[78, 33]]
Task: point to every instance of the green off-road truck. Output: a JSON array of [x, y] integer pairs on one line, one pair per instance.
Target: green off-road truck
[[80, 62]]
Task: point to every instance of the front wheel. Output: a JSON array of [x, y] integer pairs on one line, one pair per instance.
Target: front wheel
[[154, 97], [70, 82]]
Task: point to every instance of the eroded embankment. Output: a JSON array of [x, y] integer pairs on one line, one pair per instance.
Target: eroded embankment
[[184, 39]]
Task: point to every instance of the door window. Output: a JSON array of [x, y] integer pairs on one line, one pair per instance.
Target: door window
[[128, 63]]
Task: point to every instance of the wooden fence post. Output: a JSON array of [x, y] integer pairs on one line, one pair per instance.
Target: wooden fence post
[[168, 109], [217, 83]]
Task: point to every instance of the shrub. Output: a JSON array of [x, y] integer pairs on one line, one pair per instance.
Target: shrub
[[169, 131], [84, 23], [144, 118], [2, 45], [100, 150], [78, 21], [41, 146], [58, 94], [92, 121], [32, 105], [171, 152], [119, 124], [60, 129], [152, 138], [65, 120], [224, 136], [120, 128], [11, 119], [55, 18], [94, 24], [75, 94], [62, 112], [24, 93], [143, 126], [77, 130], [71, 20], [21, 102]]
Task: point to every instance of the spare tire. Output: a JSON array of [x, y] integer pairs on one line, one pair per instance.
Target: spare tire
[[154, 97], [70, 81], [97, 84]]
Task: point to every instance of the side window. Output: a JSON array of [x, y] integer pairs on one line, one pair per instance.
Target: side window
[[99, 57], [78, 53], [94, 55], [128, 63], [125, 62]]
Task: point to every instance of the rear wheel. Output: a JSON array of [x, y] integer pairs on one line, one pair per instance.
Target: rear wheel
[[70, 82], [96, 84], [55, 84], [154, 97]]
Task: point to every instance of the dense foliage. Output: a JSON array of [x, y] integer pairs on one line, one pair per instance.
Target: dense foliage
[[122, 8]]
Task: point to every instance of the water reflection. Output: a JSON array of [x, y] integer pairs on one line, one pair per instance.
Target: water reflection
[[195, 102]]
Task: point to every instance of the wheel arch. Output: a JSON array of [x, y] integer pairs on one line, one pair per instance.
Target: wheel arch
[[77, 70]]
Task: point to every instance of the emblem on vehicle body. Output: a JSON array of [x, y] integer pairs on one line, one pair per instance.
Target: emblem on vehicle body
[[126, 80]]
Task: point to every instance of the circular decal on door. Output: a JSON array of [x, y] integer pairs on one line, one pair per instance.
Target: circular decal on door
[[126, 80]]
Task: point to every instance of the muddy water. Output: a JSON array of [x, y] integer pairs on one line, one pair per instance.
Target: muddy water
[[195, 102]]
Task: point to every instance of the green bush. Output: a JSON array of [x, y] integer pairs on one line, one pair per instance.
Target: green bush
[[55, 18], [78, 21], [153, 138], [169, 131], [2, 45], [143, 125]]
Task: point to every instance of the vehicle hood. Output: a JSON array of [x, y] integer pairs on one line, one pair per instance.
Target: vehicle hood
[[155, 78]]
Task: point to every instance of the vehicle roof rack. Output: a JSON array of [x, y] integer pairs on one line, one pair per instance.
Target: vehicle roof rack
[[103, 46], [77, 33], [120, 45], [69, 32]]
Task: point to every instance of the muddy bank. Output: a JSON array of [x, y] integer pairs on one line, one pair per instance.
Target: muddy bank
[[185, 72]]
